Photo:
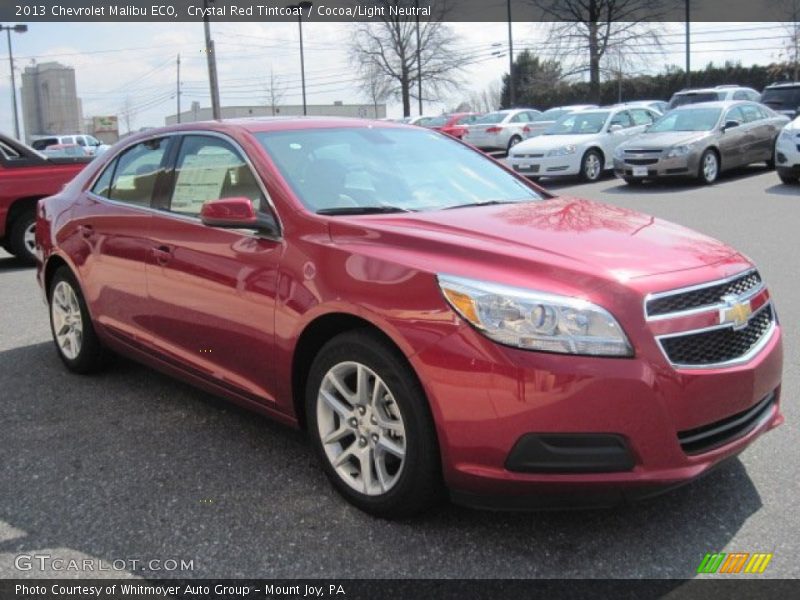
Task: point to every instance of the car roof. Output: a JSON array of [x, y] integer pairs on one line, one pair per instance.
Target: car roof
[[783, 84], [714, 104], [719, 88]]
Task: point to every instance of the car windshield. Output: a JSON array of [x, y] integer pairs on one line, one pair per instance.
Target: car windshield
[[690, 119], [492, 117], [437, 121], [392, 168], [782, 98], [693, 98], [579, 123], [551, 115]]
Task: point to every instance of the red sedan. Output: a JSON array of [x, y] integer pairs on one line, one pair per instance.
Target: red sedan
[[435, 321], [454, 124]]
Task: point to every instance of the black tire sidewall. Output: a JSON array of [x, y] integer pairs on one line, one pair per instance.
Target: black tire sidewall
[[511, 144], [16, 238], [419, 483]]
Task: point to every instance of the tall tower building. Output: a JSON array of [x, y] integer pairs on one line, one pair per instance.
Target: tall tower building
[[50, 102]]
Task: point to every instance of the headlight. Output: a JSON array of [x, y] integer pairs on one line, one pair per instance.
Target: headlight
[[679, 151], [562, 151], [619, 152], [535, 320], [786, 136]]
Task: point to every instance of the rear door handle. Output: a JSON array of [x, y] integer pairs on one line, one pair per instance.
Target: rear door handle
[[86, 231], [162, 254]]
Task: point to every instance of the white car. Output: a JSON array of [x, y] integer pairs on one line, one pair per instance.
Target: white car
[[500, 130], [544, 121], [90, 144], [580, 143], [787, 153]]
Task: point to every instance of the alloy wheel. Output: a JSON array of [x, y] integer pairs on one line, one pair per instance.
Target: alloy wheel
[[710, 167], [67, 320], [361, 428], [29, 239], [592, 167]]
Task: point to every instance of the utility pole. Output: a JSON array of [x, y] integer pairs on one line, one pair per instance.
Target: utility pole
[[688, 47], [211, 57], [178, 88], [419, 61], [511, 85], [16, 29]]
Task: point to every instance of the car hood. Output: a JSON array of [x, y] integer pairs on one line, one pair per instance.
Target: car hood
[[563, 235], [548, 142], [664, 139]]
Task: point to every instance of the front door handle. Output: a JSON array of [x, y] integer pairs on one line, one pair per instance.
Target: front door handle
[[162, 254]]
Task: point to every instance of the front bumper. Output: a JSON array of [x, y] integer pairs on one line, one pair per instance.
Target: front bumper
[[657, 167], [486, 398], [534, 164]]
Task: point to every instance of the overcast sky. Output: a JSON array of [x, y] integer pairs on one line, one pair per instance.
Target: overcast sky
[[115, 62]]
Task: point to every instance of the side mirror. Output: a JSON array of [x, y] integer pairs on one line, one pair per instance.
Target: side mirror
[[729, 125], [615, 127], [236, 213]]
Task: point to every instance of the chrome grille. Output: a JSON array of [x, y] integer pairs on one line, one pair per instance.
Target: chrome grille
[[706, 296], [718, 346]]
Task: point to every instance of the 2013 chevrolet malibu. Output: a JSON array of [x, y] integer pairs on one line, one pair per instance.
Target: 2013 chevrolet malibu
[[436, 321]]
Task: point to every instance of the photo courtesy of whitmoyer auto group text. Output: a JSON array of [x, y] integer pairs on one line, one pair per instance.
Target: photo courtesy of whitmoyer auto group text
[[399, 299]]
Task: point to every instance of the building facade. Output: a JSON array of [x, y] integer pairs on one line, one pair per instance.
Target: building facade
[[337, 109], [50, 104]]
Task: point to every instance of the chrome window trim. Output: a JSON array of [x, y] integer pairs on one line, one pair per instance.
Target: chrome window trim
[[739, 360], [692, 288], [217, 134]]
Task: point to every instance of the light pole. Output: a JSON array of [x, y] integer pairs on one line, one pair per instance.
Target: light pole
[[17, 29], [303, 6], [211, 58], [688, 52], [511, 94], [419, 61]]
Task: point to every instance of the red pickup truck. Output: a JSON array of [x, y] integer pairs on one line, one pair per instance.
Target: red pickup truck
[[25, 177]]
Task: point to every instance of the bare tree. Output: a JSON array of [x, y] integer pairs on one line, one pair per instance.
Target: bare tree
[[588, 29], [390, 47], [486, 100], [275, 91], [127, 111], [376, 86], [791, 9]]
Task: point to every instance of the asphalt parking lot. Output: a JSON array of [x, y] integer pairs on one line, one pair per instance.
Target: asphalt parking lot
[[132, 465]]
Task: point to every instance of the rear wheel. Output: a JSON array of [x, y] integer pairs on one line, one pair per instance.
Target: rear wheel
[[788, 176], [709, 167], [73, 333], [22, 240], [515, 139], [371, 427], [591, 166]]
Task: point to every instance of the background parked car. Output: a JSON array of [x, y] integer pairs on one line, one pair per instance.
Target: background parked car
[[580, 143], [25, 177], [701, 141], [787, 153], [454, 124], [656, 105], [542, 122], [719, 93], [783, 98], [91, 145], [500, 130], [64, 150]]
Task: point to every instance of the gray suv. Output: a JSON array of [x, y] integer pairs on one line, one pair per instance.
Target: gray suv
[[713, 94], [783, 98]]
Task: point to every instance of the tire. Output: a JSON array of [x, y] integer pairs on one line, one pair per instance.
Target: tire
[[787, 176], [20, 240], [592, 166], [706, 173], [515, 139], [76, 342], [390, 438]]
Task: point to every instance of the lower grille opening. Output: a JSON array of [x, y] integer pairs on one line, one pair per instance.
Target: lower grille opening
[[705, 438]]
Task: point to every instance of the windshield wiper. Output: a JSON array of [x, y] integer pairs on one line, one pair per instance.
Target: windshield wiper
[[361, 210], [485, 203]]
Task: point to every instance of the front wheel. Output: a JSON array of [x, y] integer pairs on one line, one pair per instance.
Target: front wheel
[[591, 166], [73, 333], [709, 167], [788, 176], [370, 424]]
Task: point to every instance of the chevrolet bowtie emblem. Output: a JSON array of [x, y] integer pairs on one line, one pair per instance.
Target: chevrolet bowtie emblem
[[735, 312]]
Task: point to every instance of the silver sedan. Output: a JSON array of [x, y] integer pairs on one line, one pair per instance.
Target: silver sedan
[[701, 141]]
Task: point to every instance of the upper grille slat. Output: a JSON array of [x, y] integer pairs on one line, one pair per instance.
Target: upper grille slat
[[705, 296]]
